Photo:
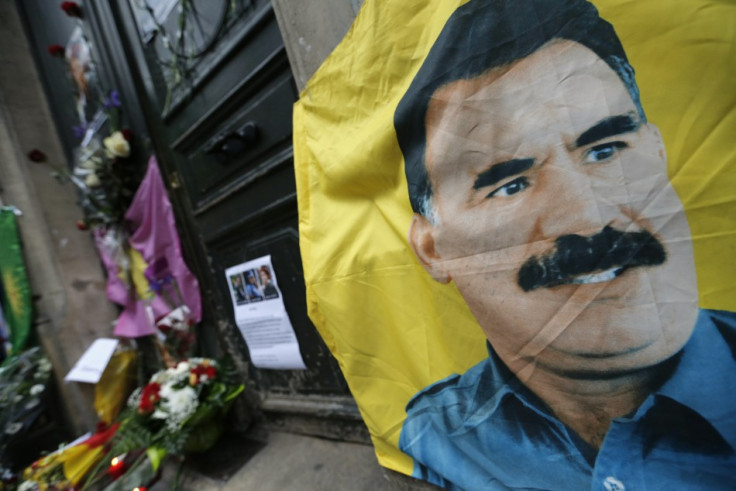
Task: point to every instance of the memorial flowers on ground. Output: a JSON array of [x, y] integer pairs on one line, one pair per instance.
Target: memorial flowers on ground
[[177, 399], [180, 410]]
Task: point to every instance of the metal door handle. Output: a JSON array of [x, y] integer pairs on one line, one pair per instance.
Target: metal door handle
[[230, 145]]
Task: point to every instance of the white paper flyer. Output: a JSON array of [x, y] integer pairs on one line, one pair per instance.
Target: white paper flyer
[[92, 363], [261, 316]]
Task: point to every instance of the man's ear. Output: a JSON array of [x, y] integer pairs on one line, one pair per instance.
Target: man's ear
[[658, 136], [421, 238]]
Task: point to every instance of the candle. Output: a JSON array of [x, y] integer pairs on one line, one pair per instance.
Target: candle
[[117, 467]]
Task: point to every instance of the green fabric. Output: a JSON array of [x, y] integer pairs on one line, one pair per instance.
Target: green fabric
[[16, 292]]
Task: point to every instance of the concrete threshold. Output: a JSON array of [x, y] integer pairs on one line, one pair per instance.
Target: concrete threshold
[[278, 461]]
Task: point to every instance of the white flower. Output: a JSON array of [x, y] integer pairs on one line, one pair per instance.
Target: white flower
[[182, 367], [92, 180], [27, 486], [179, 403], [159, 377], [17, 398], [36, 389], [134, 399], [170, 375], [117, 145], [92, 163], [13, 428], [44, 365], [163, 376], [159, 414]]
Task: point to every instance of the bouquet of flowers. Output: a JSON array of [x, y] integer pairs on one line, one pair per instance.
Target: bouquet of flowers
[[180, 410], [103, 175]]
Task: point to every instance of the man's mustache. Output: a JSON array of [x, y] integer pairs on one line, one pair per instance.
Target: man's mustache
[[576, 255]]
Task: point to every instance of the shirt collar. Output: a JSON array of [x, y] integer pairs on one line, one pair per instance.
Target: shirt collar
[[495, 384], [704, 379]]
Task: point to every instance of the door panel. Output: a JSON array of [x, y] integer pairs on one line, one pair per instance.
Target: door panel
[[224, 148]]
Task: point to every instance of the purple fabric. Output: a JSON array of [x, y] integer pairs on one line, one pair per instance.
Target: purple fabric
[[117, 290], [133, 322], [154, 235]]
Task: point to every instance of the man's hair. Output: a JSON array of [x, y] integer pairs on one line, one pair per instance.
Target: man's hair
[[485, 34]]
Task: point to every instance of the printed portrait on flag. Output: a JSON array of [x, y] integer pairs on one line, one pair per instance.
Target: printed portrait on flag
[[555, 222]]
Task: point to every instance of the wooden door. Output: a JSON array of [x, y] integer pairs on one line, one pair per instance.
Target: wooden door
[[217, 102]]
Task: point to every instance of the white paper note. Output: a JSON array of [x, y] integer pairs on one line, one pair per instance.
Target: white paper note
[[261, 316], [92, 363]]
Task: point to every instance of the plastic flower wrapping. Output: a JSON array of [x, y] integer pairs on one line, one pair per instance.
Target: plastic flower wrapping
[[104, 176], [24, 380], [175, 328], [102, 172]]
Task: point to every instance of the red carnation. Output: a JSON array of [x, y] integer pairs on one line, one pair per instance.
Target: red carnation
[[127, 134], [37, 155], [202, 371], [82, 225], [72, 9], [55, 50], [149, 397]]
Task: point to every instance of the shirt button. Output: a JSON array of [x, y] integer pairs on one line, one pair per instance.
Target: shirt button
[[613, 484]]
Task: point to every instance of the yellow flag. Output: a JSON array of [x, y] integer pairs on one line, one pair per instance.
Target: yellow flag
[[400, 314]]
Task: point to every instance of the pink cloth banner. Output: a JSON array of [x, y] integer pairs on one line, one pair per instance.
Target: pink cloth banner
[[110, 246], [153, 234]]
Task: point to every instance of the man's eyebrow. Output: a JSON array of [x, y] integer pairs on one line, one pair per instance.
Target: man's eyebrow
[[501, 171], [611, 126]]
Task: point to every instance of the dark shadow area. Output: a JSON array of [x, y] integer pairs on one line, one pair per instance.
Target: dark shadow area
[[230, 453]]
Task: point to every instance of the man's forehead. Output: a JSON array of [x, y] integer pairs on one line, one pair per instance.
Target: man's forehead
[[562, 73], [551, 61]]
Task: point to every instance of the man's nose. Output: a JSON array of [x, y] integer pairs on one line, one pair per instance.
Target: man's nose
[[584, 200]]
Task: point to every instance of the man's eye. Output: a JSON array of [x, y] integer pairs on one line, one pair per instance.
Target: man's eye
[[604, 151], [512, 187]]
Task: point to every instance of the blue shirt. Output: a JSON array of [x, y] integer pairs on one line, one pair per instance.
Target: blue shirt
[[485, 430], [253, 292]]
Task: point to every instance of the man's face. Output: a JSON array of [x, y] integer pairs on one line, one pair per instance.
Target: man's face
[[539, 170]]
